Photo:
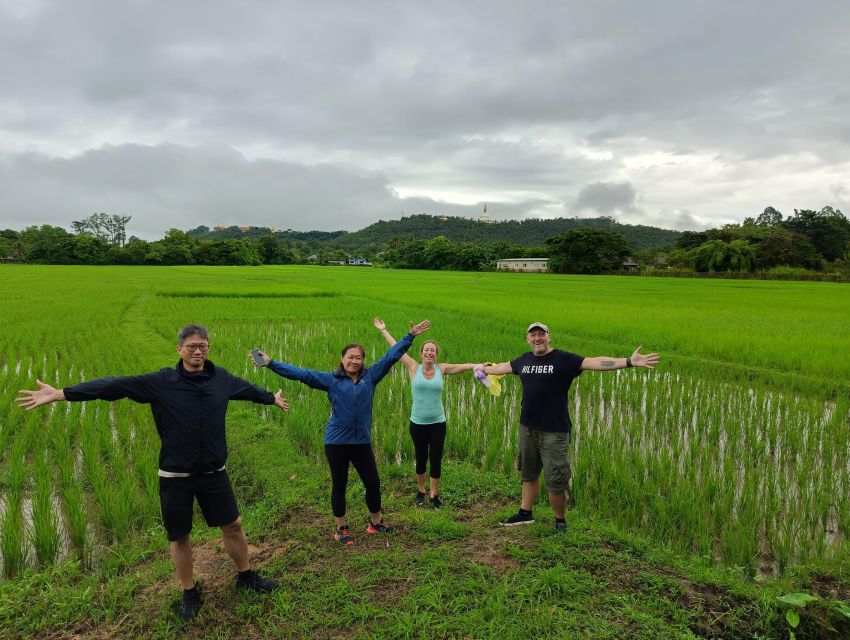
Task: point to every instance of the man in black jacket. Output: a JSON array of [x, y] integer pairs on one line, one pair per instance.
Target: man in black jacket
[[189, 403]]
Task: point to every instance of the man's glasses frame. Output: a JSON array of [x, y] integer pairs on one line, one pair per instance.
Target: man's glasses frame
[[191, 348]]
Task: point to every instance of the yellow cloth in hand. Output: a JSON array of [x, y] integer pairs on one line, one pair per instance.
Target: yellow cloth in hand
[[494, 386]]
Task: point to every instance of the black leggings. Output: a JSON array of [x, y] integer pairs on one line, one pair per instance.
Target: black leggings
[[428, 441], [361, 456]]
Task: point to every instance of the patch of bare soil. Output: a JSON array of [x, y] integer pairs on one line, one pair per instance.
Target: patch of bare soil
[[97, 634], [715, 603], [481, 511], [307, 517], [390, 590], [488, 551], [829, 587]]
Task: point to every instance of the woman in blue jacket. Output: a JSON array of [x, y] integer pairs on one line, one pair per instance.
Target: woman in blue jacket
[[348, 434]]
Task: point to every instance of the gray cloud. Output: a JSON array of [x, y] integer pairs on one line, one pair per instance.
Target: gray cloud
[[333, 114], [607, 198], [167, 186]]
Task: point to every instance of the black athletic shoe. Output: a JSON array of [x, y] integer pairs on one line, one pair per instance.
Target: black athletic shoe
[[190, 604], [560, 526], [436, 502], [252, 581], [520, 517], [419, 500]]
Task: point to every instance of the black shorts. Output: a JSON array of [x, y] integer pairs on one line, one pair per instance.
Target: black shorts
[[214, 494]]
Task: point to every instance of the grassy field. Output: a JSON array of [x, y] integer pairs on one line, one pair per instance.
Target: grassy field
[[703, 489]]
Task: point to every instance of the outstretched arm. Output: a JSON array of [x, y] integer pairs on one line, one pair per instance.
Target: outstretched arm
[[382, 366], [452, 369], [406, 360], [45, 394], [316, 379], [144, 388], [637, 359], [241, 389], [500, 369]]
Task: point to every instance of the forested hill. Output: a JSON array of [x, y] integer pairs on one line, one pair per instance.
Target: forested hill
[[522, 233], [529, 233]]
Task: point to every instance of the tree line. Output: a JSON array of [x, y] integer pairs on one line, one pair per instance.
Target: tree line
[[531, 232], [54, 245], [807, 241]]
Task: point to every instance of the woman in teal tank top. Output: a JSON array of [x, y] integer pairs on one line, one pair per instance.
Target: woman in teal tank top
[[427, 416]]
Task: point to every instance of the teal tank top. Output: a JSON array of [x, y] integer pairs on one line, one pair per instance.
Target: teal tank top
[[427, 398]]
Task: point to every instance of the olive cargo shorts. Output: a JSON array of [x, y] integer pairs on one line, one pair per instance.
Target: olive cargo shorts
[[546, 451]]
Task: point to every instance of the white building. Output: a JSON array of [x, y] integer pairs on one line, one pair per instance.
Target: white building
[[522, 264], [485, 217]]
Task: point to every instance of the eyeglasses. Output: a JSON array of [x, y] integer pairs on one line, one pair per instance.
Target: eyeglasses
[[191, 348]]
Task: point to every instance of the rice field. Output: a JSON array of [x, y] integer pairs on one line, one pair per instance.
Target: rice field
[[737, 448]]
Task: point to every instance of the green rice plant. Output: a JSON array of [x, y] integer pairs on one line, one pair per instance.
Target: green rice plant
[[725, 473], [76, 520], [16, 472], [11, 424], [144, 453], [12, 536], [750, 408], [89, 445], [45, 519]]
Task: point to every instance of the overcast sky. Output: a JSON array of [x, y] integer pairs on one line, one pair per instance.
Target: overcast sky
[[332, 115]]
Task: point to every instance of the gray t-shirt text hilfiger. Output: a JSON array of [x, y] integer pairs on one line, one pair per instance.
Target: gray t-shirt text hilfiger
[[545, 382]]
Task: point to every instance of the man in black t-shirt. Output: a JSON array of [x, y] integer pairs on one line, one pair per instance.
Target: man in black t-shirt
[[545, 426]]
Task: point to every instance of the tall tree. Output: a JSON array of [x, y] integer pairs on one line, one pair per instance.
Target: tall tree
[[175, 248], [111, 229], [472, 257], [47, 244], [586, 251], [781, 247], [770, 217], [717, 255], [827, 229], [273, 251], [117, 227], [439, 253]]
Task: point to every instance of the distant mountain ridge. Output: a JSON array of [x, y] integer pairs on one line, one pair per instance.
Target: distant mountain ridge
[[531, 232]]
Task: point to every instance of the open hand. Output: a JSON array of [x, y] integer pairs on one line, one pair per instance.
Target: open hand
[[379, 324], [648, 360], [422, 327], [45, 394], [279, 401]]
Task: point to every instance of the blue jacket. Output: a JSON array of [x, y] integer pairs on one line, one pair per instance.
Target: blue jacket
[[351, 402]]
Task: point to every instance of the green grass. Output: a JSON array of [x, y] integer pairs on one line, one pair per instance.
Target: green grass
[[477, 582], [703, 489]]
